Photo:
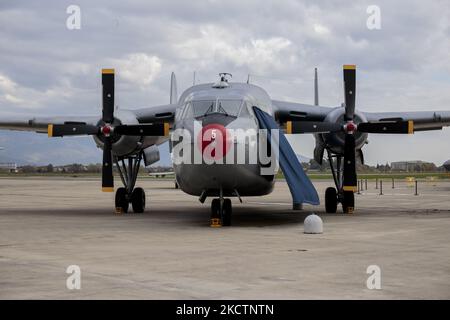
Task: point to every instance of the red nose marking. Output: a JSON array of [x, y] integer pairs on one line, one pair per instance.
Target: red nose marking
[[106, 130], [211, 134], [350, 127]]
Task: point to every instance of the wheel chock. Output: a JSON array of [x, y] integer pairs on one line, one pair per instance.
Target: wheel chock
[[119, 210], [215, 223], [350, 210]]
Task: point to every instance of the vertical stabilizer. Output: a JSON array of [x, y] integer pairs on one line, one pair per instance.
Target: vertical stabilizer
[[316, 88], [173, 89]]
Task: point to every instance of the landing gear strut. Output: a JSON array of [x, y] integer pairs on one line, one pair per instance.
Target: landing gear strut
[[221, 211], [128, 169], [333, 196]]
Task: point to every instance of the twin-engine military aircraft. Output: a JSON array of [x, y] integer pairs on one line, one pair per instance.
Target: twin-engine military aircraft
[[129, 137]]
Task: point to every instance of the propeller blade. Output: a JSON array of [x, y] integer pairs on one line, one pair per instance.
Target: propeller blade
[[350, 179], [397, 127], [61, 130], [107, 168], [108, 95], [349, 91], [155, 129], [311, 127]]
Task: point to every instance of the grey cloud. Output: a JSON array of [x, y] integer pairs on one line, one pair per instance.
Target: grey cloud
[[403, 66]]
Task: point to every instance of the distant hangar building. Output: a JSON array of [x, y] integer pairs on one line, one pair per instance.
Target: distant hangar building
[[9, 167], [411, 166]]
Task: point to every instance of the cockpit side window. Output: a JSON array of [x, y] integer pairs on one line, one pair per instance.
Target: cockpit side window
[[187, 111], [245, 110]]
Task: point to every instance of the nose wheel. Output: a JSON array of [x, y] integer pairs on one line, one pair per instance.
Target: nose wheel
[[221, 211]]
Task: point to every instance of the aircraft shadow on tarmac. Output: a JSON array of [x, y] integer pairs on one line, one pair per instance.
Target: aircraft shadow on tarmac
[[191, 216]]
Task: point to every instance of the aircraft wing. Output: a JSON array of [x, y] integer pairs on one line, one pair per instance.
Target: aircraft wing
[[423, 120], [285, 111], [40, 124]]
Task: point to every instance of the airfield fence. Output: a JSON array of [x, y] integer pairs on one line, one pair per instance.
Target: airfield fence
[[409, 184]]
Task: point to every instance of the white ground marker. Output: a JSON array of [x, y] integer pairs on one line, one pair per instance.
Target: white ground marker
[[313, 224]]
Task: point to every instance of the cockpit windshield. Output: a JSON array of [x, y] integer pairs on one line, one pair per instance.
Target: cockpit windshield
[[230, 107], [203, 107]]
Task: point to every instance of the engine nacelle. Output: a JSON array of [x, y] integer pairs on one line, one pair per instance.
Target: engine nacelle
[[335, 141], [122, 145]]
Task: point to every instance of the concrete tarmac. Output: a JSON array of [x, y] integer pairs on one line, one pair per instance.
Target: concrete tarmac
[[170, 252]]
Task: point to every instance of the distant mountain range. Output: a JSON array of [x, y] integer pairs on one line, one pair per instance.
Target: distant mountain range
[[37, 149], [303, 159]]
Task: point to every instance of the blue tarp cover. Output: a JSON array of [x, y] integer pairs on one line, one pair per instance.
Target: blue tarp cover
[[302, 190]]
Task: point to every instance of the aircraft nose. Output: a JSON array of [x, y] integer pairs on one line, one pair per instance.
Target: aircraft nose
[[214, 141], [217, 118]]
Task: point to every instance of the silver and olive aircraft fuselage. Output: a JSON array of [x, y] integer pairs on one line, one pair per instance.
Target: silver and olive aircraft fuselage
[[229, 106]]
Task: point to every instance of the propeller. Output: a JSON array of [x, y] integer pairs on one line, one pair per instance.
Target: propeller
[[350, 127], [391, 127], [349, 172], [106, 129]]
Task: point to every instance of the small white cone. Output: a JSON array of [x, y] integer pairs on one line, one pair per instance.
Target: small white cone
[[313, 224]]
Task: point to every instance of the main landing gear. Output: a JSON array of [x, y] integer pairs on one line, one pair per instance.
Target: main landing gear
[[221, 211], [128, 169], [333, 196]]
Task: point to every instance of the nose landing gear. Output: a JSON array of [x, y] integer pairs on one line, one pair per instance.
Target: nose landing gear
[[221, 211]]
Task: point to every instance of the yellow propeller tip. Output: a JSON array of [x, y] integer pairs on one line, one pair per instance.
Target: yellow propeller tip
[[289, 127], [50, 130]]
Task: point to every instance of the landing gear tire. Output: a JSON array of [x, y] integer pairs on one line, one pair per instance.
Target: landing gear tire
[[226, 213], [215, 208], [176, 185], [121, 200], [348, 202], [330, 200], [215, 220], [138, 200]]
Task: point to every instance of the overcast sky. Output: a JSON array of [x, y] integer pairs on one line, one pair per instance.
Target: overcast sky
[[47, 69]]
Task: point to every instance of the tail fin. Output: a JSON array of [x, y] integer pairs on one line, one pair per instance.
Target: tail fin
[[316, 88], [173, 89]]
